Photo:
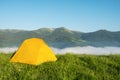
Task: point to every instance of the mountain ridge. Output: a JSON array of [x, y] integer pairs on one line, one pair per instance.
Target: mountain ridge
[[61, 37], [54, 29]]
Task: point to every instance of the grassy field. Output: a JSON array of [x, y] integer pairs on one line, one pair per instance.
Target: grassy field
[[67, 67]]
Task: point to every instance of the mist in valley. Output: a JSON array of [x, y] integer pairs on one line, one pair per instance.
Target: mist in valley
[[75, 50]]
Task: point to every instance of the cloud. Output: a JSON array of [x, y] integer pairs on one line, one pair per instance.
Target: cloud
[[8, 50], [89, 50], [76, 50]]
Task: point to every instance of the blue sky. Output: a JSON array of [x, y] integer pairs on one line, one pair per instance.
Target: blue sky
[[80, 15]]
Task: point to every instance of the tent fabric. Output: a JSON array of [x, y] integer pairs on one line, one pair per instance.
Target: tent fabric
[[33, 51]]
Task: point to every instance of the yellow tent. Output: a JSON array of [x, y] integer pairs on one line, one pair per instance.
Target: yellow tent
[[33, 51]]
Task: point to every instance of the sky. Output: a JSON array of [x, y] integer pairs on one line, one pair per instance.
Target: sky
[[79, 15]]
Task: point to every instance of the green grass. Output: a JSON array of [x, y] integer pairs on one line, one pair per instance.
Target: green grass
[[67, 67]]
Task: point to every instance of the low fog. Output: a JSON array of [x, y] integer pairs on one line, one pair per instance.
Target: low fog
[[89, 50], [8, 50], [76, 50]]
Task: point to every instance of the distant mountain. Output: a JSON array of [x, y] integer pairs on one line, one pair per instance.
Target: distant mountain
[[61, 37]]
